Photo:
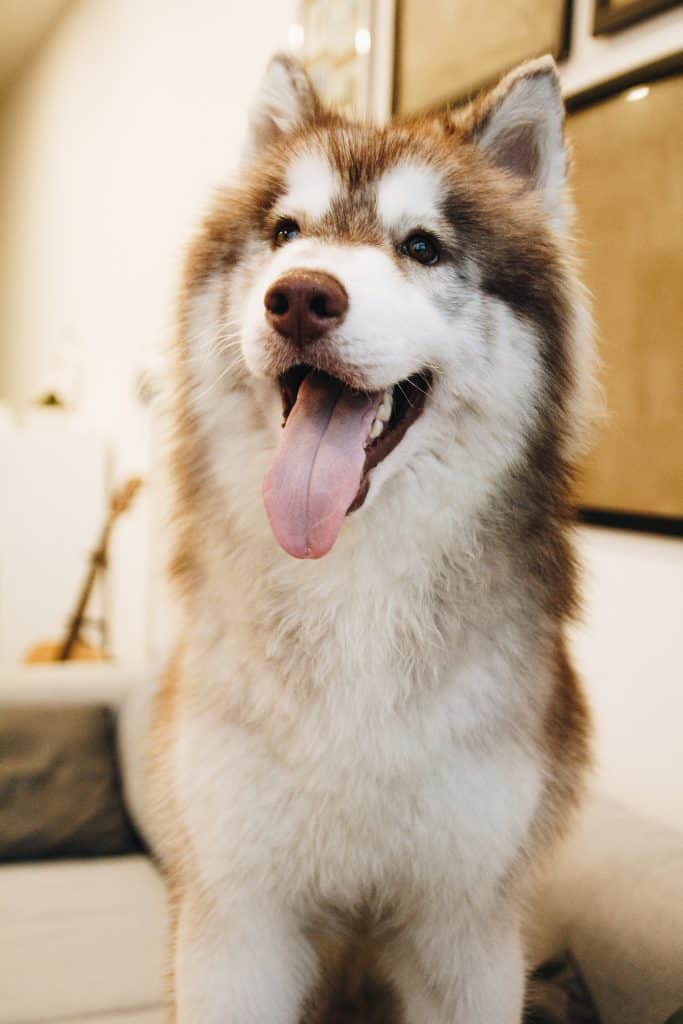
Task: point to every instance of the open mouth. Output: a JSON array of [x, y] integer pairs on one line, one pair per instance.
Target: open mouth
[[333, 436]]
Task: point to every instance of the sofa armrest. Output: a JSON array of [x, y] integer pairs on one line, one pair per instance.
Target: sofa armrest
[[614, 898], [68, 683]]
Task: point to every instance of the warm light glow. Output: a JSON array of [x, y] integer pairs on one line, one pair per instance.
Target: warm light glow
[[633, 95], [363, 40], [295, 36]]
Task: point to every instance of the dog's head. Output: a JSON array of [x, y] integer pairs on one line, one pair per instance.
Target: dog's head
[[396, 301]]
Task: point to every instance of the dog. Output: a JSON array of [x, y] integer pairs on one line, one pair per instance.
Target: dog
[[371, 734]]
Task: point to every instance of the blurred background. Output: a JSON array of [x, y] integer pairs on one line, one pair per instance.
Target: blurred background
[[117, 118]]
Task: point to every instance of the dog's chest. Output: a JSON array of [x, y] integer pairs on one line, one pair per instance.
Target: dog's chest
[[338, 798]]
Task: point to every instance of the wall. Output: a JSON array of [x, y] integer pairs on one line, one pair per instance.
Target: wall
[[110, 142], [63, 471], [629, 650]]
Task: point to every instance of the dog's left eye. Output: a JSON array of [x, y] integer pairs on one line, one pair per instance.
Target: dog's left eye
[[422, 248], [286, 231]]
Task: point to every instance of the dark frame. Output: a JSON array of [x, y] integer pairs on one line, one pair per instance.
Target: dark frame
[[645, 74], [666, 526], [562, 53], [670, 526], [610, 19]]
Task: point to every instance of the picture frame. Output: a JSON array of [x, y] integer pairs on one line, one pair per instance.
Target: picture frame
[[614, 15], [631, 250], [459, 49]]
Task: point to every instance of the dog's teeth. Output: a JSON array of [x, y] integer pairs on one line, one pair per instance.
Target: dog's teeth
[[386, 406], [376, 428], [383, 414]]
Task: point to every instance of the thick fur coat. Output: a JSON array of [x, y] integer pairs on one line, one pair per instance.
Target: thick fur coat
[[371, 745]]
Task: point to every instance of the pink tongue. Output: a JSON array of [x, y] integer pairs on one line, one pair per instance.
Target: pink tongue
[[318, 466]]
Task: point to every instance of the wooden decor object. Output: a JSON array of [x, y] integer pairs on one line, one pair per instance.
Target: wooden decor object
[[72, 647]]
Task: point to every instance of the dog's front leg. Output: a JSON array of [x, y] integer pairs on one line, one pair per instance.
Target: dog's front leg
[[249, 965], [452, 972]]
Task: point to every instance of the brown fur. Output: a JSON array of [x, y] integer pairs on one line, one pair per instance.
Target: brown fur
[[173, 852]]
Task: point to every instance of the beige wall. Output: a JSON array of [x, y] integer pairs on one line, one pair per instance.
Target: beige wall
[[629, 650], [110, 141]]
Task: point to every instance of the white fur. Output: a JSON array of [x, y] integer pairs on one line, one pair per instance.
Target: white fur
[[408, 197], [341, 733], [310, 188], [360, 774], [271, 965]]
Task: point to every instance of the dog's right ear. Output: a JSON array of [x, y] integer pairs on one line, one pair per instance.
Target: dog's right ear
[[285, 101]]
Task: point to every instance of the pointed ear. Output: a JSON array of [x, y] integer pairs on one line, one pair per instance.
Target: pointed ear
[[286, 100], [519, 126]]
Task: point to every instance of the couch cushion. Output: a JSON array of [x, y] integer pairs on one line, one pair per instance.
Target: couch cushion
[[60, 793], [614, 897], [81, 938]]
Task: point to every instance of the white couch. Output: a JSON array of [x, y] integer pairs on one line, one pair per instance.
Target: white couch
[[81, 941]]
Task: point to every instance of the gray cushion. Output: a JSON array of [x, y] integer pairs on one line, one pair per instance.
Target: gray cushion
[[60, 794]]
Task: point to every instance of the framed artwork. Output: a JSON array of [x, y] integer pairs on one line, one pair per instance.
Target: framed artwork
[[445, 51], [612, 15], [627, 154]]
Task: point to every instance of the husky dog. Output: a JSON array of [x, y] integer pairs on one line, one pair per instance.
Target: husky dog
[[372, 724]]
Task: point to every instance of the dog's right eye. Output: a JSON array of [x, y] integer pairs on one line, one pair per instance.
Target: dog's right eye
[[286, 231]]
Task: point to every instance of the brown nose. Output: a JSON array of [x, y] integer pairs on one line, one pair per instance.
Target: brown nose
[[303, 304]]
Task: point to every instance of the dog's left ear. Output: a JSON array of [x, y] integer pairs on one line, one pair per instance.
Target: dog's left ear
[[519, 126], [286, 100]]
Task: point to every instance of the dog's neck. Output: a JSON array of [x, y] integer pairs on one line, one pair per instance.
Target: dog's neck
[[425, 575], [404, 597]]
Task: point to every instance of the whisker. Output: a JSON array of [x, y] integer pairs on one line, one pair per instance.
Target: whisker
[[398, 385], [214, 383], [223, 344], [418, 388]]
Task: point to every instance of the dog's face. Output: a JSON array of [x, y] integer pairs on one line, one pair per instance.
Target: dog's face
[[397, 295]]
